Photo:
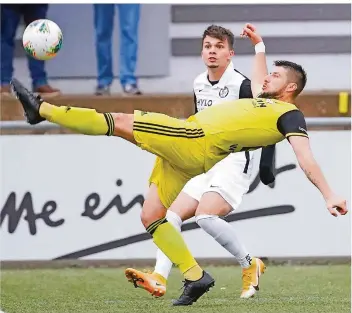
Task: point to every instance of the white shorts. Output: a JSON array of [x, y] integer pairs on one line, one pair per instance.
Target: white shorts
[[230, 178]]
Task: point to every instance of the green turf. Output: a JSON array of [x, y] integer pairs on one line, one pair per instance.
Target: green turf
[[304, 289]]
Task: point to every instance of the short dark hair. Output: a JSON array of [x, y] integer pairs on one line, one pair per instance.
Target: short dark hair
[[220, 33], [297, 70]]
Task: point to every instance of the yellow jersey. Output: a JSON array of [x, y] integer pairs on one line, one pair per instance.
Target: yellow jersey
[[248, 124], [186, 148]]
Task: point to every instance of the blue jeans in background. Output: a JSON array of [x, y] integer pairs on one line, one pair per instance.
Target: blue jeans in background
[[104, 25], [10, 18]]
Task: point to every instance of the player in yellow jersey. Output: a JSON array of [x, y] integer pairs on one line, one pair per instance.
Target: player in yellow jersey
[[188, 148], [219, 191]]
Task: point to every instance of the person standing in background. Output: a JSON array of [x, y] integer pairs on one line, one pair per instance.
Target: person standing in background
[[10, 19], [104, 25]]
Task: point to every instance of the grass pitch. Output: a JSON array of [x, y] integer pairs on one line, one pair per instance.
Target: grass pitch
[[284, 289]]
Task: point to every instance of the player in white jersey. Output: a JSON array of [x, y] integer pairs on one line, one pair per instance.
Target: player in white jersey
[[220, 190]]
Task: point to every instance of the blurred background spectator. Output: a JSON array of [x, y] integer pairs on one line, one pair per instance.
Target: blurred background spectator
[[169, 44], [10, 18], [104, 23]]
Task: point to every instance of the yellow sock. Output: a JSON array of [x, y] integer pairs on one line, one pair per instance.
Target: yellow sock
[[170, 241], [84, 121], [194, 273]]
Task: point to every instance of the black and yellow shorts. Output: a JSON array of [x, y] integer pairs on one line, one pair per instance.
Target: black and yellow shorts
[[179, 145]]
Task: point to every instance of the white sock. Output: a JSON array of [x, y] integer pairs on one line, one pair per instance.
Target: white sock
[[163, 264], [226, 236]]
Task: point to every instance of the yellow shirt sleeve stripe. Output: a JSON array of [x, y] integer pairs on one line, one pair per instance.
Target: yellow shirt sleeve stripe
[[296, 134]]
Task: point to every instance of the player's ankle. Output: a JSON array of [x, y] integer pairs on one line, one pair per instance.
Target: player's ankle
[[160, 278], [194, 273], [246, 261]]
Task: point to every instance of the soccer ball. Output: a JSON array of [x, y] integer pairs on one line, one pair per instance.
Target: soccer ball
[[42, 39]]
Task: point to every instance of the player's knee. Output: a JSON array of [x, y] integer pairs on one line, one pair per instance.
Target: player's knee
[[212, 203], [146, 218], [149, 215], [184, 206]]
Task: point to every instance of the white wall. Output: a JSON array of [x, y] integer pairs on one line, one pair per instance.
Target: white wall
[[67, 169]]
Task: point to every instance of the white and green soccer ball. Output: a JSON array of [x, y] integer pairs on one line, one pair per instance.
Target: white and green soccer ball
[[42, 39]]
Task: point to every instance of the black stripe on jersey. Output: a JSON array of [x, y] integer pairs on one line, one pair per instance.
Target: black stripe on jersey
[[111, 124], [168, 130], [190, 132], [182, 135], [146, 124], [241, 74], [195, 103], [247, 162], [245, 89]]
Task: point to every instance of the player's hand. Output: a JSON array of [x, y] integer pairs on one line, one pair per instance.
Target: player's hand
[[335, 205], [249, 31]]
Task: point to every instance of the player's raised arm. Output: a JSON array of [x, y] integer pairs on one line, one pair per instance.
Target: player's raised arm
[[293, 126], [260, 69]]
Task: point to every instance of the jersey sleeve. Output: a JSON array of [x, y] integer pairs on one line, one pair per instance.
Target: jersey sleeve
[[292, 123], [245, 89]]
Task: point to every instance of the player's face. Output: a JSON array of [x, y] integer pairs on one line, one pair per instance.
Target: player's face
[[216, 53], [277, 83]]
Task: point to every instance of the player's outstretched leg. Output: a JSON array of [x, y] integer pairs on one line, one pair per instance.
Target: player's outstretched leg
[[80, 120]]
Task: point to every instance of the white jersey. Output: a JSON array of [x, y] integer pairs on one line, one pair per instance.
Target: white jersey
[[231, 176]]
